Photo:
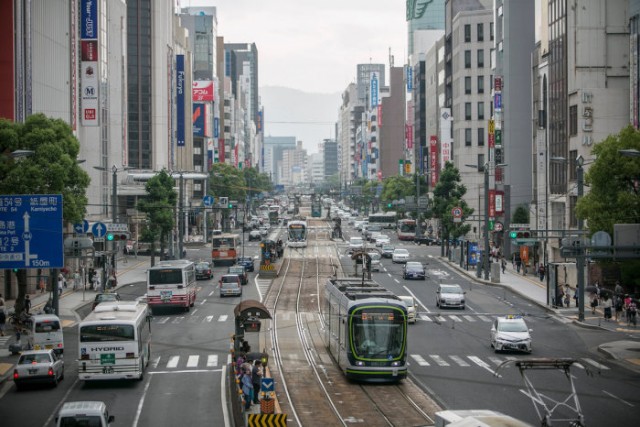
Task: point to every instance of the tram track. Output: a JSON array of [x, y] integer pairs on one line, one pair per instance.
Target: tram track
[[311, 389]]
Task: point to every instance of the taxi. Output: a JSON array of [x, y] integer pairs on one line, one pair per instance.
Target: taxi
[[510, 333]]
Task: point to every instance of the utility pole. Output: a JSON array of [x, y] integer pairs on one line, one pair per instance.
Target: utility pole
[[180, 217], [580, 257]]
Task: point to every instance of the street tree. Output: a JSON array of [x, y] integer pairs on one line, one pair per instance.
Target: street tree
[[614, 192], [159, 206], [227, 181], [51, 167], [448, 194], [520, 215], [396, 187], [256, 182]]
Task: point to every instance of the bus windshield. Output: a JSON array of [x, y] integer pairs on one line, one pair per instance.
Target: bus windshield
[[105, 333], [226, 242], [408, 227]]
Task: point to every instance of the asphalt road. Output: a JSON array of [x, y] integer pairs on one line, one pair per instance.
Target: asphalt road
[[450, 356]]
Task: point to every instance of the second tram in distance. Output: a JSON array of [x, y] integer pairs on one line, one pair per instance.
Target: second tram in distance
[[366, 329], [297, 234]]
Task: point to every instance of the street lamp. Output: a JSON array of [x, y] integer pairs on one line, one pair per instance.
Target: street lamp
[[580, 257]]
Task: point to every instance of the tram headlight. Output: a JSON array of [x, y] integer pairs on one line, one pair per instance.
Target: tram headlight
[[359, 363], [396, 363]]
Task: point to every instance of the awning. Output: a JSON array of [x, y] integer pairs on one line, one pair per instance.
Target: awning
[[251, 308]]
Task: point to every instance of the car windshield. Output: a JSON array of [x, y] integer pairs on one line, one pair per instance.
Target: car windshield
[[407, 300], [451, 290], [203, 266], [512, 327], [34, 358], [106, 297], [401, 252], [388, 248], [414, 267], [356, 240], [374, 255], [236, 270]]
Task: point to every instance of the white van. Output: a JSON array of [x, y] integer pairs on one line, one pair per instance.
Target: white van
[[46, 333], [85, 413]]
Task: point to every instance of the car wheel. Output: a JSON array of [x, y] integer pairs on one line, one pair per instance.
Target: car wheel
[[62, 375]]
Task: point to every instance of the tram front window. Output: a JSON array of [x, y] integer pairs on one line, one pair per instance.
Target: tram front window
[[378, 334], [296, 233]]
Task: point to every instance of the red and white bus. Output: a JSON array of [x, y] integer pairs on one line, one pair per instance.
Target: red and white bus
[[406, 229], [224, 249], [172, 284]]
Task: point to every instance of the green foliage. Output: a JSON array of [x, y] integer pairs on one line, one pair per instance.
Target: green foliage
[[396, 187], [256, 182], [227, 181], [158, 205], [520, 215], [447, 195], [613, 196], [51, 169]]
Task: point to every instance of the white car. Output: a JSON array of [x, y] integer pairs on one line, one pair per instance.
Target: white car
[[400, 255], [510, 333], [412, 307], [450, 295], [356, 243], [375, 260], [382, 239]]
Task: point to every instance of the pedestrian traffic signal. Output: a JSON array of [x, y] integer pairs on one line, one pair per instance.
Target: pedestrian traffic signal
[[389, 205], [520, 234]]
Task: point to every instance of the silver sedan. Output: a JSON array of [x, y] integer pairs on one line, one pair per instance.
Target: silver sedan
[[38, 366]]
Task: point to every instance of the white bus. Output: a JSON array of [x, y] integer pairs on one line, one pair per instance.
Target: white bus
[[384, 219], [172, 284], [115, 341]]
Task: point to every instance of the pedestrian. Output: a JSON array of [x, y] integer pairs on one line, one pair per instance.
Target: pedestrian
[[631, 313], [247, 388], [541, 272], [504, 265], [575, 296], [618, 290], [3, 321], [76, 280], [256, 379], [594, 302], [27, 304], [567, 297], [42, 285], [2, 307], [625, 305], [618, 304], [518, 263], [607, 304]]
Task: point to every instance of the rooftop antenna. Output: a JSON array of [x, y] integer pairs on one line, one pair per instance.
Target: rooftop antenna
[[390, 58]]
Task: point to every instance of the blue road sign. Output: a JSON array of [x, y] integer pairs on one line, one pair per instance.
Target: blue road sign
[[266, 385], [207, 201], [81, 227], [31, 231], [99, 229]]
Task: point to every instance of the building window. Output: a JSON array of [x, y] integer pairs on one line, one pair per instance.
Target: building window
[[467, 33], [467, 111], [573, 165], [573, 120], [481, 32], [467, 59], [467, 85], [480, 58], [480, 84], [467, 137], [480, 110], [491, 30], [481, 162], [480, 137]]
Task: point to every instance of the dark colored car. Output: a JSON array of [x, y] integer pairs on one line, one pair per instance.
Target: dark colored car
[[241, 272], [372, 229], [105, 297], [427, 240], [246, 262], [387, 251], [203, 270], [414, 270]]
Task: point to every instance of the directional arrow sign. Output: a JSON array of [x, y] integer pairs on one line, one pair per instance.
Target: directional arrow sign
[[267, 385], [81, 227], [99, 229], [31, 231], [207, 201]]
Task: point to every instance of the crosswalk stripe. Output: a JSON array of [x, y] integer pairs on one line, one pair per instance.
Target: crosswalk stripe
[[484, 318], [440, 319], [192, 361], [173, 361], [496, 360], [177, 319], [425, 317], [594, 363], [163, 320], [420, 360], [459, 360], [439, 360], [212, 360], [481, 363], [223, 318], [469, 318], [455, 318]]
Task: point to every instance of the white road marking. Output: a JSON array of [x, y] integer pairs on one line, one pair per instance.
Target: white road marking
[[212, 360], [203, 301], [155, 362], [440, 319], [596, 364], [455, 318], [617, 398], [177, 319], [439, 360], [469, 318], [496, 360], [484, 318], [483, 364], [223, 318], [425, 317], [192, 362], [459, 360], [190, 371], [211, 293], [163, 320], [208, 318], [420, 360], [193, 312], [397, 281], [141, 403], [173, 361]]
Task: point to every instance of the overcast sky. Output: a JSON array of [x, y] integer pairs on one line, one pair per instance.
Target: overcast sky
[[313, 46]]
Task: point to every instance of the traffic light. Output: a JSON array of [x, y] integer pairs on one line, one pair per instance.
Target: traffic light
[[224, 202], [389, 205], [117, 236], [520, 234]]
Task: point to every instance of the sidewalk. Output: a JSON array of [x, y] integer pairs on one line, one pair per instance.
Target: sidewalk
[[531, 288], [134, 271]]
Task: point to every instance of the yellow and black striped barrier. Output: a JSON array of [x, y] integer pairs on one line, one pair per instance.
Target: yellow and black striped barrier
[[267, 420], [267, 267]]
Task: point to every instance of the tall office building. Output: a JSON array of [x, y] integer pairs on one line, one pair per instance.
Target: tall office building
[[423, 15]]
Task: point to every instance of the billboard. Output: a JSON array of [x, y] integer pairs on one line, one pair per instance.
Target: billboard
[[374, 90], [202, 90], [198, 120], [180, 101], [433, 160], [89, 89]]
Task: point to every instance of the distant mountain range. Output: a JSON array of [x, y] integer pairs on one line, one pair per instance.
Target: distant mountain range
[[310, 117]]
